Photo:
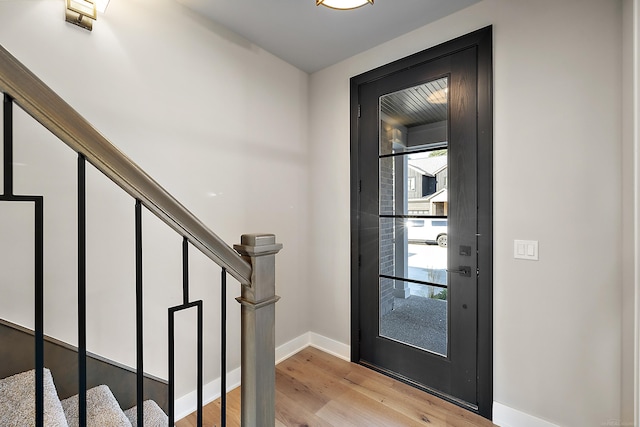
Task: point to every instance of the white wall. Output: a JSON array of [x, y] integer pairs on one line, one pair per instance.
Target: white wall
[[192, 103], [557, 144], [219, 122]]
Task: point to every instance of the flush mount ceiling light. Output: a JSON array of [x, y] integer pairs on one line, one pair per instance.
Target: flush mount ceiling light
[[439, 96], [343, 4], [81, 13]]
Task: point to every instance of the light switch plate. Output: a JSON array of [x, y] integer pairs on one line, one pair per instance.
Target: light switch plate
[[525, 249]]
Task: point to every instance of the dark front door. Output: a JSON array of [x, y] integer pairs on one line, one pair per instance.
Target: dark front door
[[421, 224]]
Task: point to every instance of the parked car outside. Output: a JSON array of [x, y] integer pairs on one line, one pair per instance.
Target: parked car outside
[[425, 230]]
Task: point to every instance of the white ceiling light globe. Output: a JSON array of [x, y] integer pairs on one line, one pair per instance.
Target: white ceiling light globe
[[343, 4]]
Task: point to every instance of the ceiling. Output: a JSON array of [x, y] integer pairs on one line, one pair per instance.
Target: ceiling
[[419, 105], [313, 37]]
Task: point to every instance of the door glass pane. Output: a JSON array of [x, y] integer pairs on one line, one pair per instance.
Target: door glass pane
[[414, 183], [414, 117], [413, 216], [409, 249], [419, 320]]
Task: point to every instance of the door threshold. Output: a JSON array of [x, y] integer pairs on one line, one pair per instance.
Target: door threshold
[[439, 394]]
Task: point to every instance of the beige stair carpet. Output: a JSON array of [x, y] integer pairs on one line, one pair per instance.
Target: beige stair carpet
[[154, 416], [102, 409], [17, 401]]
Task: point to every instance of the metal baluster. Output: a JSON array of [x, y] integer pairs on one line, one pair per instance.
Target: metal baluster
[[172, 311], [82, 293], [7, 117], [8, 144], [39, 307], [186, 304], [185, 270], [200, 363], [172, 374], [39, 264], [223, 348], [139, 318]]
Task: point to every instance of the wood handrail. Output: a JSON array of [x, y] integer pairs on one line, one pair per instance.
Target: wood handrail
[[45, 106]]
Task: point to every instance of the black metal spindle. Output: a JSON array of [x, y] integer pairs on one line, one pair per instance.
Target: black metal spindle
[[185, 270], [7, 123], [200, 366], [172, 373], [200, 372], [171, 340], [139, 319], [223, 348], [82, 293], [8, 144], [185, 304], [39, 309]]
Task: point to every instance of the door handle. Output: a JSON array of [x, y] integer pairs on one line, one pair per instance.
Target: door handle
[[463, 270]]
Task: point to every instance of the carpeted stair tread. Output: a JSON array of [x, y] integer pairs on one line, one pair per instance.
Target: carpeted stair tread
[[17, 401], [102, 409], [154, 416]]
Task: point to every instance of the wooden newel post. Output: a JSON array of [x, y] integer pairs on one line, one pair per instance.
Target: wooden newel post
[[258, 315]]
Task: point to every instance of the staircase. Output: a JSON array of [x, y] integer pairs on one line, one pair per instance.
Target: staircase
[[17, 406], [30, 398]]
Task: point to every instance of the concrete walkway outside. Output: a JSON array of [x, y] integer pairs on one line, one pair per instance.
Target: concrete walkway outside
[[417, 321]]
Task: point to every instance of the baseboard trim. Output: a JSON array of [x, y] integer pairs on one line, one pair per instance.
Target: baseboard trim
[[290, 348], [328, 345], [505, 416], [187, 404]]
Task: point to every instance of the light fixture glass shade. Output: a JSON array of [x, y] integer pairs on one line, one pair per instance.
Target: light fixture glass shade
[[343, 4], [101, 5]]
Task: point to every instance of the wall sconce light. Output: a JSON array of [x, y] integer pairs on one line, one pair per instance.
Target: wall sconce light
[[81, 13], [397, 137], [343, 4]]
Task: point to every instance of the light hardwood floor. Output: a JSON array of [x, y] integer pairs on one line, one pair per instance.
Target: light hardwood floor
[[314, 388]]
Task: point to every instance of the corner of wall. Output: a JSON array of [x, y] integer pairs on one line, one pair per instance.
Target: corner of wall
[[636, 196], [628, 208]]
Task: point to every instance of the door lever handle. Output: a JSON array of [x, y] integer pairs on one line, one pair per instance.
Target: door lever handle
[[463, 270]]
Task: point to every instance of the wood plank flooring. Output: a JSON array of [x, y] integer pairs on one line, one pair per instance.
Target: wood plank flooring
[[314, 388]]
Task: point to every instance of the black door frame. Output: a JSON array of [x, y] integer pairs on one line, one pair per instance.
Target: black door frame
[[482, 40]]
